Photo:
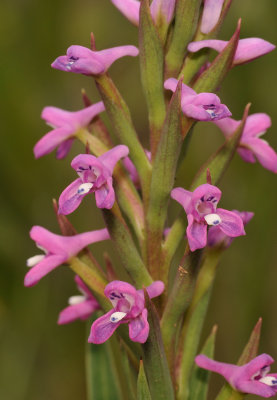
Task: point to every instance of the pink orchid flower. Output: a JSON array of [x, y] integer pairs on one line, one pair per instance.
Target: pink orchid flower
[[130, 9], [252, 378], [95, 176], [81, 60], [251, 147], [201, 209], [80, 306], [66, 124], [128, 308], [58, 250], [216, 237], [247, 50], [202, 106], [211, 14]]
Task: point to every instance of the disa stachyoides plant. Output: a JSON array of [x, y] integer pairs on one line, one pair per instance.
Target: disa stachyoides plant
[[149, 310]]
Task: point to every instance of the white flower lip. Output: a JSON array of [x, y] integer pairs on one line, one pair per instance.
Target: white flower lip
[[117, 316], [84, 188], [32, 261], [212, 219], [76, 300], [269, 380]]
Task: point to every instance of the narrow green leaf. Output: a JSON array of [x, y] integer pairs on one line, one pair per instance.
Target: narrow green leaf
[[151, 67], [162, 182], [194, 320], [186, 19], [178, 300], [212, 77], [250, 351], [154, 359], [219, 161], [143, 392], [121, 121], [126, 248], [200, 377], [101, 380]]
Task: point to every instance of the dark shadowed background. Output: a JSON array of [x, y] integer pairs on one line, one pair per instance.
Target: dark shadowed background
[[40, 360]]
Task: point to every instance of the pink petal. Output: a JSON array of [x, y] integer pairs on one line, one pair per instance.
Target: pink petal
[[250, 49], [231, 223], [55, 116], [264, 153], [139, 328], [155, 289], [83, 117], [78, 311], [217, 45], [163, 8], [64, 149], [171, 84], [206, 191], [182, 196], [246, 155], [256, 124], [116, 290], [224, 369], [105, 196], [69, 199], [51, 242], [51, 140], [102, 329], [111, 157], [129, 8], [108, 56], [90, 169], [253, 366], [211, 13], [43, 268], [255, 387], [196, 234], [227, 125]]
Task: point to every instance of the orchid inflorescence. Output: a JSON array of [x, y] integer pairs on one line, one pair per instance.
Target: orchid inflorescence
[[133, 188]]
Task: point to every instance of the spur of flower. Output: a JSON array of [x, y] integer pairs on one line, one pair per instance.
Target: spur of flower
[[95, 176], [251, 146], [80, 306], [81, 60], [253, 377], [58, 250], [217, 238], [210, 16], [158, 8], [202, 106], [201, 209], [248, 49], [66, 124], [128, 308]]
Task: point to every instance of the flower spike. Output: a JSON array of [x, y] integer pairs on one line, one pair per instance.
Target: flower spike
[[95, 176], [202, 106], [252, 378], [251, 147], [66, 124], [80, 307], [201, 209], [58, 249], [128, 308], [81, 60]]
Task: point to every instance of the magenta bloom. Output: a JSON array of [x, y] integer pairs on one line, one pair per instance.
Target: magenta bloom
[[66, 124], [95, 176], [202, 106], [211, 13], [201, 209], [251, 147], [128, 308], [130, 9], [247, 50], [252, 378], [82, 60], [58, 249], [81, 306], [216, 237]]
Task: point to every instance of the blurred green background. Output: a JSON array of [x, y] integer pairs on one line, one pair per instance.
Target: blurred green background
[[39, 359]]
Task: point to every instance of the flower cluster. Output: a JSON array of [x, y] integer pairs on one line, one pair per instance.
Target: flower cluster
[[132, 188]]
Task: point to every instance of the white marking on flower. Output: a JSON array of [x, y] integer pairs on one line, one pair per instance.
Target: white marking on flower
[[41, 248], [84, 188], [212, 219], [269, 380], [32, 261], [76, 300], [117, 316], [211, 112]]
